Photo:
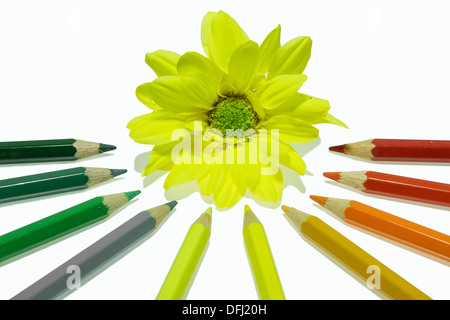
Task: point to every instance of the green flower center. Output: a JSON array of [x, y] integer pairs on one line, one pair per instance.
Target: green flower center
[[233, 113]]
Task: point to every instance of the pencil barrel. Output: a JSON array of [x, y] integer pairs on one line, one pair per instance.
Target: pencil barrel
[[52, 227], [411, 150], [43, 184], [37, 151], [92, 258]]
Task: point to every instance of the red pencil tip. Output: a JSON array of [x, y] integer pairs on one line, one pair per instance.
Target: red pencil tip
[[320, 200], [332, 175], [339, 148]]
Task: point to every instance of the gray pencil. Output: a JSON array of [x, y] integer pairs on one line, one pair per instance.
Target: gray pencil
[[89, 260]]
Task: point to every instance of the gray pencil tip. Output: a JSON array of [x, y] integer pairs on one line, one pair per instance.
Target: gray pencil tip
[[172, 204]]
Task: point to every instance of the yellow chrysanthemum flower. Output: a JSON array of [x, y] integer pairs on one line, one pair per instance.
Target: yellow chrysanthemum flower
[[241, 86]]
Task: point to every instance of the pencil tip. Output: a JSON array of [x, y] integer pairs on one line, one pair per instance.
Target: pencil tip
[[106, 147], [320, 200], [208, 211], [339, 148], [171, 204], [332, 175], [247, 208], [130, 195], [285, 208], [117, 172]]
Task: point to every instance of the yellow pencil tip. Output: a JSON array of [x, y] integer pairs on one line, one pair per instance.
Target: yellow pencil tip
[[285, 208], [209, 211], [247, 208]]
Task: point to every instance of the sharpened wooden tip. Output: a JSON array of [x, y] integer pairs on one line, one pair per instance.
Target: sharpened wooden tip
[[285, 208], [332, 175], [320, 200], [250, 217], [339, 148], [205, 218]]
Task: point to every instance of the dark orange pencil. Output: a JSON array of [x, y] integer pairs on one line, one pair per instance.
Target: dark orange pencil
[[398, 150], [394, 186], [389, 226]]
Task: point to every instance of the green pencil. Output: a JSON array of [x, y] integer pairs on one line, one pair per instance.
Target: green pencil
[[50, 150], [61, 223], [43, 184]]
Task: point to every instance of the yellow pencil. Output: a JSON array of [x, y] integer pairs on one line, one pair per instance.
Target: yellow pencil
[[181, 275], [261, 261], [376, 275]]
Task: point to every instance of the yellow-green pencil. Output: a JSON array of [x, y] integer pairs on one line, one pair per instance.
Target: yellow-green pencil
[[261, 261], [177, 283]]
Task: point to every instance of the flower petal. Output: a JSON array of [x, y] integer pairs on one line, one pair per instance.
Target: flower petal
[[160, 158], [163, 62], [143, 95], [243, 65], [328, 118], [227, 186], [278, 90], [303, 107], [269, 47], [221, 35], [183, 173], [291, 130], [270, 188], [183, 95], [291, 58], [157, 127], [193, 62], [291, 159]]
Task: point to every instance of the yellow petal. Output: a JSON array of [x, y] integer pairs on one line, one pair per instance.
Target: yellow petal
[[183, 173], [143, 94], [269, 47], [227, 186], [303, 107], [328, 118], [160, 158], [291, 58], [278, 90], [243, 66], [221, 36], [163, 62], [291, 130], [270, 188], [291, 159], [195, 63]]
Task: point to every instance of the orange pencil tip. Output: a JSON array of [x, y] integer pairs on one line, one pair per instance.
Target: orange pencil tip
[[339, 148], [285, 208], [319, 200], [332, 175]]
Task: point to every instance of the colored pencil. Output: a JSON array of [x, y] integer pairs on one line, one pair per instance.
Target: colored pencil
[[388, 226], [398, 150], [261, 261], [50, 150], [54, 284], [54, 182], [355, 259], [61, 223], [394, 186], [182, 273]]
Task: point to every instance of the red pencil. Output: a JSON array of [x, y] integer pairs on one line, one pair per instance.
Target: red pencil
[[398, 150], [395, 186]]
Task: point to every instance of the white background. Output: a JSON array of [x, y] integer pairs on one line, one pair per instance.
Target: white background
[[69, 69]]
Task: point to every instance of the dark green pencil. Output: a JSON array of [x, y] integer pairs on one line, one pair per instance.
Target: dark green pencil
[[91, 259], [50, 150], [61, 223], [43, 184]]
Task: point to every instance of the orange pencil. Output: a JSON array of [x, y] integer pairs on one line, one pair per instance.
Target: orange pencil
[[389, 226]]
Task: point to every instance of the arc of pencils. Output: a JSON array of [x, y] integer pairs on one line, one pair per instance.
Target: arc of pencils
[[50, 150], [397, 150], [98, 254], [388, 226], [351, 256], [61, 223], [54, 182]]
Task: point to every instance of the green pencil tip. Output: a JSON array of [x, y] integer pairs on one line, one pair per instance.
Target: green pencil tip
[[130, 195], [117, 172], [106, 147], [171, 204]]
